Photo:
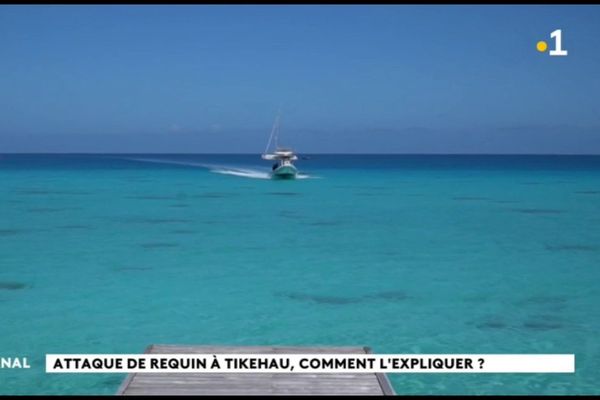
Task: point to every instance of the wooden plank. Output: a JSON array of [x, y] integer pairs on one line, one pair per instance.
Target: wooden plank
[[170, 392], [176, 381], [250, 383], [130, 377], [383, 380]]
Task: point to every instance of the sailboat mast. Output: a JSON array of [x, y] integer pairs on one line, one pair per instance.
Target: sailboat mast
[[274, 134], [277, 131]]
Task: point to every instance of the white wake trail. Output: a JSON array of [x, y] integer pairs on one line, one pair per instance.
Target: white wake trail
[[242, 172], [251, 173], [173, 162], [220, 169]]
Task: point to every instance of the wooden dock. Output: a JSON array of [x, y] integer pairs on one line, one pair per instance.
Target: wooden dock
[[255, 384]]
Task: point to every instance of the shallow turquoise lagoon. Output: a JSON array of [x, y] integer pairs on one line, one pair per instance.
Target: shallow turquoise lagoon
[[405, 254]]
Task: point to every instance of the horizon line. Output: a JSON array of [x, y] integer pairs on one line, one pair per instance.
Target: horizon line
[[308, 153]]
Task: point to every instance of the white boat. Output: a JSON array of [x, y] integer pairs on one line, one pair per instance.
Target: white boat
[[283, 168]]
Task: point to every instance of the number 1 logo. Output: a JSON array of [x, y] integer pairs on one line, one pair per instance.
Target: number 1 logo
[[558, 50]]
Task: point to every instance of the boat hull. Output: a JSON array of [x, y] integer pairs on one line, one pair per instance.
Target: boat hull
[[285, 172]]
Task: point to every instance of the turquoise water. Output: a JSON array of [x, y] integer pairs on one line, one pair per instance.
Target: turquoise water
[[405, 254]]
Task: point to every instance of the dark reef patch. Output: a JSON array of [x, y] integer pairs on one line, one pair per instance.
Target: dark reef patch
[[10, 232], [183, 231], [154, 221], [329, 300], [491, 323], [343, 300], [43, 192], [74, 227], [572, 247], [588, 192], [392, 295], [326, 223], [133, 269], [12, 285], [158, 245], [542, 323], [283, 193], [51, 209], [537, 211], [470, 198], [151, 197], [372, 194], [215, 195]]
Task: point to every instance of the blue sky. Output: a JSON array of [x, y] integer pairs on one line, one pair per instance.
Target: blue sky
[[394, 79]]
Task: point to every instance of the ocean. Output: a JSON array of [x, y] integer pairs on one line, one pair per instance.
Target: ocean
[[403, 253]]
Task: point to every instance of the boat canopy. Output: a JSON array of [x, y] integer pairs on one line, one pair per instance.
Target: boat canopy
[[279, 155]]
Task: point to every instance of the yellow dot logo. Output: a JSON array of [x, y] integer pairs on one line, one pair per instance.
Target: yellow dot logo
[[542, 46]]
